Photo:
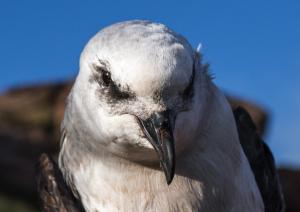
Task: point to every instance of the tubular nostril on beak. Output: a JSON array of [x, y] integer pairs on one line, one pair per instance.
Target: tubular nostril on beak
[[160, 119]]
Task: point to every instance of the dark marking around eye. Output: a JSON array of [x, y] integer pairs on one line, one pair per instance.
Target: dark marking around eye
[[157, 96], [189, 90], [108, 87], [116, 93]]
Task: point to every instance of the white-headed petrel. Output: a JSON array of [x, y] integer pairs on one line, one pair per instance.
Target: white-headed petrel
[[146, 129]]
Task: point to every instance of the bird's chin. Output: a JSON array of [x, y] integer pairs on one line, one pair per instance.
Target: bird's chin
[[137, 153]]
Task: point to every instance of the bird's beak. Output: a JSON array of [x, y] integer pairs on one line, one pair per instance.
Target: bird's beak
[[159, 131]]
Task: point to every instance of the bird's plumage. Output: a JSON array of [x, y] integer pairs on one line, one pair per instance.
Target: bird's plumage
[[56, 195], [137, 69], [261, 161]]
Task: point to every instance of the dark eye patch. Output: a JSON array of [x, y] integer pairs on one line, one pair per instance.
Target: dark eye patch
[[112, 91], [116, 93], [188, 92]]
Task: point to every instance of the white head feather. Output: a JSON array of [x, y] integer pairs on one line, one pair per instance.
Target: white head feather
[[148, 61]]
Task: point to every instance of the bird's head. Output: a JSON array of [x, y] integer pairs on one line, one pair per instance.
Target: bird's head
[[136, 88]]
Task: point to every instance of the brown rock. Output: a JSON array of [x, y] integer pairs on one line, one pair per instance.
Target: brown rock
[[290, 181]]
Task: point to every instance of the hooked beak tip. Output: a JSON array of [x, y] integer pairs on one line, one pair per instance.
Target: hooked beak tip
[[158, 130]]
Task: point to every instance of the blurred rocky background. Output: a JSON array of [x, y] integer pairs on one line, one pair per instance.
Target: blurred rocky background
[[29, 125]]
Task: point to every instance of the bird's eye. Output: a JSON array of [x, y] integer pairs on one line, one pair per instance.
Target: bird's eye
[[112, 89], [105, 76], [189, 91]]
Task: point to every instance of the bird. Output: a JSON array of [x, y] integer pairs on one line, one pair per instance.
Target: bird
[[146, 129]]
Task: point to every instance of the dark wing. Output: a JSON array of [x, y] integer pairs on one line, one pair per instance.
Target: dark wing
[[261, 161], [54, 194]]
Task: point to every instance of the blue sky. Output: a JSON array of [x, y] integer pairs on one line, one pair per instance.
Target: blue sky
[[253, 48]]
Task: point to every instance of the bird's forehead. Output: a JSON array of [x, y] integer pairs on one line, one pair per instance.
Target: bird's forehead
[[143, 55]]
